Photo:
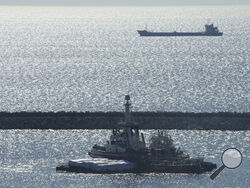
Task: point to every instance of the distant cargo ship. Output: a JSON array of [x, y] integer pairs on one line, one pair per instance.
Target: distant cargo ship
[[210, 30]]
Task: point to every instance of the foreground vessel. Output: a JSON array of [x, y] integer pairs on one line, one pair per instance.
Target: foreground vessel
[[210, 30], [126, 151]]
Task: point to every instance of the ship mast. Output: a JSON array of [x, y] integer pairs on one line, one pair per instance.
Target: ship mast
[[127, 110]]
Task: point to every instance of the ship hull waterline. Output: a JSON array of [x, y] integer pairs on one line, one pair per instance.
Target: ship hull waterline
[[185, 169], [141, 168], [140, 165], [176, 34]]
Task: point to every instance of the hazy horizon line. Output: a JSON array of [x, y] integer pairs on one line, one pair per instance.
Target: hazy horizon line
[[197, 5]]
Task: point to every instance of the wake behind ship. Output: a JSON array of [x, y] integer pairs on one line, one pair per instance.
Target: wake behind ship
[[210, 30]]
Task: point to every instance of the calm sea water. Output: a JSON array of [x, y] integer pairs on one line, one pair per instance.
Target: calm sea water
[[28, 159], [87, 59]]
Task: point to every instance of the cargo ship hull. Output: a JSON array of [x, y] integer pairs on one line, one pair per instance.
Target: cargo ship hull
[[145, 33]]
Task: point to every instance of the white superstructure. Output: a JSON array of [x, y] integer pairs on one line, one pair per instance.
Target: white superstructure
[[124, 138]]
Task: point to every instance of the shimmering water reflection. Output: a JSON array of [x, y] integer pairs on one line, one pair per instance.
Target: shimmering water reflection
[[88, 58], [28, 159]]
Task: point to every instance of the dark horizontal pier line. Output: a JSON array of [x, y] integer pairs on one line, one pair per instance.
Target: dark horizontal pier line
[[109, 120], [121, 114]]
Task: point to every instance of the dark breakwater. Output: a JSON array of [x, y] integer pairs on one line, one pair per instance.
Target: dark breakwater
[[109, 120]]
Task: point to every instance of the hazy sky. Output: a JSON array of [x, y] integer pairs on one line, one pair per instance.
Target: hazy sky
[[124, 2]]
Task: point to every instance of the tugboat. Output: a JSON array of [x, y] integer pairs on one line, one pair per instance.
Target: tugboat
[[127, 146], [210, 30], [125, 141]]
